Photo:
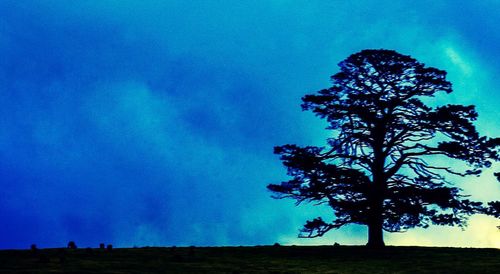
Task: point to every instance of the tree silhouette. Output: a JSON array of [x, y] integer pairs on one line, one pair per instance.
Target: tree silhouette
[[494, 206], [379, 168]]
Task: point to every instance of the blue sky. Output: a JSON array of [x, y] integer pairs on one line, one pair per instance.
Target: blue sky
[[153, 122]]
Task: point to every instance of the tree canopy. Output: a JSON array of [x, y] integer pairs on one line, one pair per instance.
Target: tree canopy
[[494, 206], [382, 166]]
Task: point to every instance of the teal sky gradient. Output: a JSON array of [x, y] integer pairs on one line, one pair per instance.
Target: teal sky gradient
[[153, 122]]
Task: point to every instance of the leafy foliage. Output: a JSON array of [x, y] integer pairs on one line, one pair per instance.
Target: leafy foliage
[[494, 206], [379, 167]]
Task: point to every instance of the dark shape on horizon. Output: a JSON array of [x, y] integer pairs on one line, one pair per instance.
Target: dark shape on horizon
[[101, 246], [33, 247], [109, 247], [377, 168], [72, 245]]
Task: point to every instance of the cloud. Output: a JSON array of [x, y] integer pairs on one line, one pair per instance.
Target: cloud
[[457, 60]]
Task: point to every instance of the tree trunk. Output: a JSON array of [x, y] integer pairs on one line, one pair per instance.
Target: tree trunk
[[377, 190], [375, 234], [376, 219]]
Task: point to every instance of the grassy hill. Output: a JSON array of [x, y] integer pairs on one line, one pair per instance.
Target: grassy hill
[[259, 259]]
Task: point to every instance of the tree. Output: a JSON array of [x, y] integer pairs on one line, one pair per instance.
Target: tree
[[377, 168], [494, 206]]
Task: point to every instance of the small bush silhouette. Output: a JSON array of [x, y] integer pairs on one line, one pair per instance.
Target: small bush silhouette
[[101, 246], [34, 247], [72, 245], [109, 247]]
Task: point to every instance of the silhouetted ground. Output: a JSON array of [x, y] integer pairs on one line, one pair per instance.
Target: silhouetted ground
[[259, 259]]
